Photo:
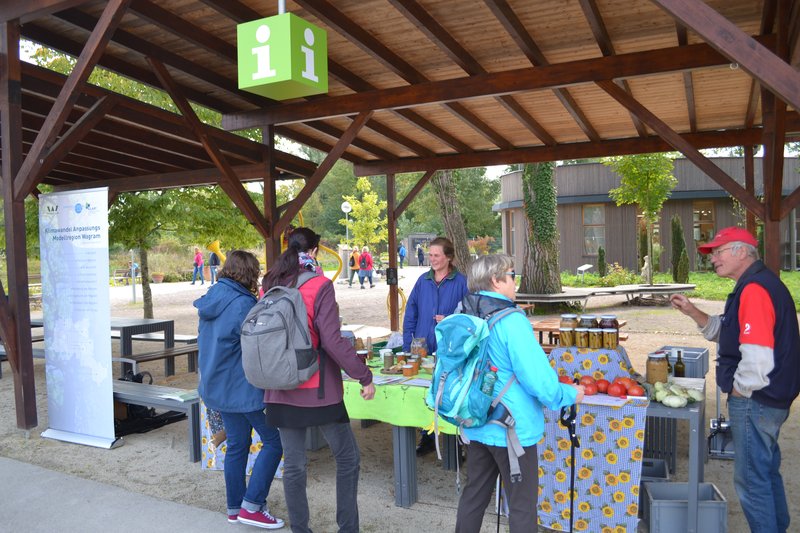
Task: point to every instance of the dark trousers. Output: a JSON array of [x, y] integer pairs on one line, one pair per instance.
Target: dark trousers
[[485, 462]]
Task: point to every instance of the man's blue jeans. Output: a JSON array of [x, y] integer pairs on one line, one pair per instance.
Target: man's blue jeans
[[756, 471], [238, 427], [198, 270], [213, 270]]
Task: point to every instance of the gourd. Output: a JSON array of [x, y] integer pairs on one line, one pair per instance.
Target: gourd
[[674, 401], [696, 395]]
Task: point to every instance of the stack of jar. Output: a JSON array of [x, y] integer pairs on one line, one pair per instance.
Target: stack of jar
[[588, 332]]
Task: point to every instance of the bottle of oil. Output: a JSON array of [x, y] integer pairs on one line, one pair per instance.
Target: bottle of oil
[[680, 366]]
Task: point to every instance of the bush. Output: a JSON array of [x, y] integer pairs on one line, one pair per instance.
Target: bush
[[682, 268], [602, 267], [678, 246], [617, 275]]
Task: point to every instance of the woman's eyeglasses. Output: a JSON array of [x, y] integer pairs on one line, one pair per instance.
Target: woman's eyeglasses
[[512, 274]]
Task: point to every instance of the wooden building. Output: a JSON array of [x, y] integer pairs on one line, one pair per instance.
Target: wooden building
[[588, 218]]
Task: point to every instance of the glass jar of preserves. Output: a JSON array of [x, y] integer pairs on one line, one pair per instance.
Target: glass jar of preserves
[[610, 338], [609, 321], [568, 321], [587, 321], [595, 338], [582, 337], [566, 337], [657, 368], [419, 347]]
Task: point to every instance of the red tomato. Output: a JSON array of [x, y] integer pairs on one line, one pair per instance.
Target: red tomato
[[565, 379], [602, 385], [636, 390], [626, 382], [590, 389], [616, 389], [585, 380]]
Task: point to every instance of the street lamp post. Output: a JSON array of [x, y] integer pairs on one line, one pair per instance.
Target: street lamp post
[[346, 208]]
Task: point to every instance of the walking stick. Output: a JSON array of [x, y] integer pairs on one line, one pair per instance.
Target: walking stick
[[568, 416]]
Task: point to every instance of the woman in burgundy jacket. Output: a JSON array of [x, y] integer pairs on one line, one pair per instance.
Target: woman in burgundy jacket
[[320, 400]]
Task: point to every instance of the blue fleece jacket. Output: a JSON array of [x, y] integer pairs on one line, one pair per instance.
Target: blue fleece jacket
[[514, 350], [223, 386], [428, 299]]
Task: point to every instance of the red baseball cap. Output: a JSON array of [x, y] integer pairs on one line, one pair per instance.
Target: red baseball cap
[[732, 234]]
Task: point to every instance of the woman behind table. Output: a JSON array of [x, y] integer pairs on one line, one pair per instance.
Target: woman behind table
[[224, 388], [513, 349], [319, 401], [434, 296]]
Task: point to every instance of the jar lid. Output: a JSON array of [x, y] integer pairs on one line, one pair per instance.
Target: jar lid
[[408, 366], [569, 316], [564, 329], [589, 316], [657, 355], [608, 316], [581, 329], [594, 330], [610, 330], [362, 352]]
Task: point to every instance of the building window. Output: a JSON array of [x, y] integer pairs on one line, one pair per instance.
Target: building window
[[702, 230], [511, 233], [594, 228]]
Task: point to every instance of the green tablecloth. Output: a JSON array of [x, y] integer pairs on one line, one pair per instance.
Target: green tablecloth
[[396, 404]]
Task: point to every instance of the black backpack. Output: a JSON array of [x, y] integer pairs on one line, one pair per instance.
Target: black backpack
[[363, 263]]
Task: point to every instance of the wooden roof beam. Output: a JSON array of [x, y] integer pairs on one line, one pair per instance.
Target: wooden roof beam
[[580, 150], [32, 10], [507, 82], [29, 174], [334, 18], [514, 27], [688, 83], [459, 55], [313, 182], [738, 47], [415, 190], [679, 143], [229, 182], [601, 35], [767, 23]]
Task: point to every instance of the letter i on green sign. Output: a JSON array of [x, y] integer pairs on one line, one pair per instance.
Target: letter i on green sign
[[282, 57]]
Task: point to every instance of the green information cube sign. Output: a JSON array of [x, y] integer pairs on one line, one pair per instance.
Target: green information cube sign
[[282, 57]]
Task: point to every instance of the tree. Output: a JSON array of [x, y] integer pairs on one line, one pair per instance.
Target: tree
[[366, 225], [647, 181], [678, 246], [444, 185], [540, 273]]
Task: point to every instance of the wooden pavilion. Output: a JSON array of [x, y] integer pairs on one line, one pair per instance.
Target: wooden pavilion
[[415, 85]]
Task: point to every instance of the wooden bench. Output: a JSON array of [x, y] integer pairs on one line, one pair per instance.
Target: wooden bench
[[122, 274], [167, 354], [171, 398], [38, 353]]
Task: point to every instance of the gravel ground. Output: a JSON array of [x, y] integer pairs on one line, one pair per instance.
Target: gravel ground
[[155, 463]]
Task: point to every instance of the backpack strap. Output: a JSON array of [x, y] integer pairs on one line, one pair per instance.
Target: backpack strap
[[302, 279]]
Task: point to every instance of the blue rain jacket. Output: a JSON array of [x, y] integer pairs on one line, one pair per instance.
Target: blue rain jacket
[[428, 299]]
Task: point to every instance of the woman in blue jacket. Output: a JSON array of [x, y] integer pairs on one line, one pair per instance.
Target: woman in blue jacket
[[513, 349], [434, 296], [224, 388]]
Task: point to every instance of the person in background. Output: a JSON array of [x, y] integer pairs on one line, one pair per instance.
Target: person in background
[[131, 267], [353, 262], [225, 389], [514, 350], [434, 296], [365, 266], [757, 366], [198, 266], [319, 402], [401, 254], [213, 265], [420, 255]]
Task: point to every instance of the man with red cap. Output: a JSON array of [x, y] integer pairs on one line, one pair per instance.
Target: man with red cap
[[758, 367]]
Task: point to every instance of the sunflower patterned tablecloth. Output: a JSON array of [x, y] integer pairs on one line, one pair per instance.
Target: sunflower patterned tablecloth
[[608, 462], [213, 458]]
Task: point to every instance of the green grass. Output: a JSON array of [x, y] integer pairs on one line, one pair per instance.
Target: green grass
[[709, 285]]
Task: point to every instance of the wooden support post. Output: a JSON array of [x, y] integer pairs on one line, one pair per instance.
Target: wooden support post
[[394, 310], [749, 185], [273, 242], [17, 318]]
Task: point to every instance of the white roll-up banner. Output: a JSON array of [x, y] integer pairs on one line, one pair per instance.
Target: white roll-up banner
[[73, 235]]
